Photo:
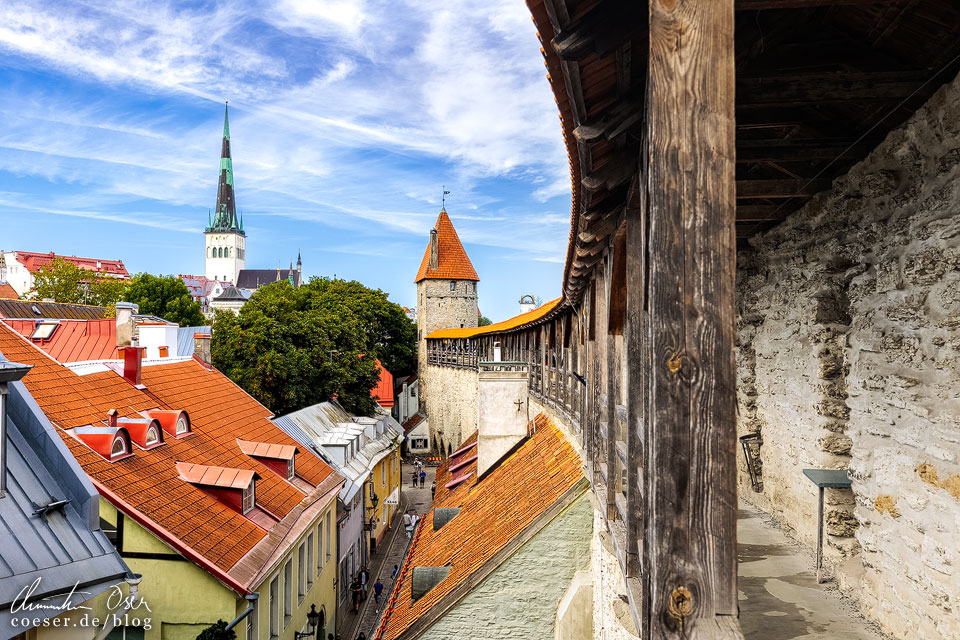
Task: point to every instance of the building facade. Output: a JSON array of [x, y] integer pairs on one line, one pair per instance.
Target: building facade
[[224, 237], [19, 268]]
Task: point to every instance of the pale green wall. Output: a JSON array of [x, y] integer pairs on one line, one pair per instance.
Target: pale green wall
[[520, 598]]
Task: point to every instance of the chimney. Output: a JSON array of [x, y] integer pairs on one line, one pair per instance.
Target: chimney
[[503, 413], [527, 303], [132, 364], [201, 347], [434, 251], [112, 417], [125, 312]]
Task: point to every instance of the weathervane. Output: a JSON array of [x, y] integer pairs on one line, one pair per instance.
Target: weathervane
[[443, 199]]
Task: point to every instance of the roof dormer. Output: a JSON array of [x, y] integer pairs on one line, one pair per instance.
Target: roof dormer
[[146, 433], [174, 423], [279, 458], [111, 443], [234, 488]]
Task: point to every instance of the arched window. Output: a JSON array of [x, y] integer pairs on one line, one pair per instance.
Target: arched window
[[181, 426], [220, 252], [119, 447], [151, 436]]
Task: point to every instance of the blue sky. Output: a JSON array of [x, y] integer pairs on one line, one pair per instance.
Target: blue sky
[[346, 117]]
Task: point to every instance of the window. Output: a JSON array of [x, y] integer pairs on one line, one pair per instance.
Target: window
[[309, 568], [319, 547], [419, 443], [125, 633], [383, 473], [290, 472], [287, 593], [274, 608], [328, 535], [43, 331], [453, 285], [181, 426], [151, 436], [301, 572], [119, 447], [250, 497]]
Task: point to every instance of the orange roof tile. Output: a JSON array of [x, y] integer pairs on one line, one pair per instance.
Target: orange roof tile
[[215, 476], [7, 292], [266, 450], [148, 481], [496, 327], [412, 422], [383, 391], [492, 512], [452, 260]]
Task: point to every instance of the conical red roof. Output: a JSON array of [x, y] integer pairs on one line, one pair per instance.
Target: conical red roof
[[452, 260]]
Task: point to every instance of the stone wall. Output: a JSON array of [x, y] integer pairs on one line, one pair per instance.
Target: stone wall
[[440, 308], [612, 619], [451, 405], [849, 357], [519, 599]]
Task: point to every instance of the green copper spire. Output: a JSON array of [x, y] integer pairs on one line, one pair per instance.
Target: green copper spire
[[225, 216]]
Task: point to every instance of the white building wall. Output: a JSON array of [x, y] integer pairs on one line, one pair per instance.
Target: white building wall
[[226, 268]]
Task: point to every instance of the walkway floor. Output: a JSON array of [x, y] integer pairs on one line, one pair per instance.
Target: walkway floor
[[391, 552], [779, 595]]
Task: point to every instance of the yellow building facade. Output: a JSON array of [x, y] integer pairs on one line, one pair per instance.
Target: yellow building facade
[[386, 481]]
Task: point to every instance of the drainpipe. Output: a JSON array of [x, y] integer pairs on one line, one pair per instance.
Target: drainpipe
[[132, 599], [252, 599]]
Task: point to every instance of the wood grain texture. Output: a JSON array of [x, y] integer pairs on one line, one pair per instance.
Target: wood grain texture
[[690, 544]]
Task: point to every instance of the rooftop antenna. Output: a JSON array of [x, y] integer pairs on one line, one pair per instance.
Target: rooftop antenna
[[443, 198]]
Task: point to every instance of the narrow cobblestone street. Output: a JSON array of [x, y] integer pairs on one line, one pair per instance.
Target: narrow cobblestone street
[[392, 552]]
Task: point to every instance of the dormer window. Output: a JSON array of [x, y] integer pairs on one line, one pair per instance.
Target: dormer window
[[152, 437], [119, 447], [279, 458], [181, 426], [175, 424], [44, 330], [290, 470], [249, 498]]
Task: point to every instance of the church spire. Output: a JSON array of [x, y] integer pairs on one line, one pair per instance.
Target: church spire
[[225, 215]]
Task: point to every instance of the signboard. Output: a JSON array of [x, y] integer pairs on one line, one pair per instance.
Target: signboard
[[393, 498]]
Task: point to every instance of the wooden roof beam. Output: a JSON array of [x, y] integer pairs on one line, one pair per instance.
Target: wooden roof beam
[[752, 189], [758, 5], [790, 150], [602, 30], [612, 121], [839, 86]]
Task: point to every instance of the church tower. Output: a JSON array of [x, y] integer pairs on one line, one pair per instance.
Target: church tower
[[446, 291], [225, 238]]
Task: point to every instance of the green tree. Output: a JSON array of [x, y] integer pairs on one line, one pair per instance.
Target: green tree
[[293, 347], [166, 297], [63, 281], [391, 336], [217, 631], [483, 321]]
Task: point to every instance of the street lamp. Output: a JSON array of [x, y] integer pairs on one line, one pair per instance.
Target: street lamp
[[314, 618]]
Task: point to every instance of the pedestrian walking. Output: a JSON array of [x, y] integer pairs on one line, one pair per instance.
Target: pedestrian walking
[[415, 518], [396, 570], [423, 478], [408, 527], [377, 592], [433, 489], [364, 580], [415, 476], [355, 591]]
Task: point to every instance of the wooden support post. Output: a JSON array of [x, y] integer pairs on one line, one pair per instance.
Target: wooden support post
[[610, 390], [638, 366], [690, 554]]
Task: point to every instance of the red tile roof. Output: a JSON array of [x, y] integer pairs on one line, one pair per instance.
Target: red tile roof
[[492, 513], [75, 340], [503, 325], [215, 476], [452, 260], [265, 450], [7, 292], [148, 482], [412, 422], [383, 391], [34, 261]]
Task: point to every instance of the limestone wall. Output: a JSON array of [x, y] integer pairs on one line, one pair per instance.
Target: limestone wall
[[451, 405], [440, 308], [519, 599], [849, 357]]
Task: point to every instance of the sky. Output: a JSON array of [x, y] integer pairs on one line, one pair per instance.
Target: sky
[[347, 118]]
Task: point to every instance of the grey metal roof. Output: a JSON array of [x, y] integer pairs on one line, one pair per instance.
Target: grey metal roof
[[61, 311], [232, 293], [256, 278], [185, 339], [64, 547]]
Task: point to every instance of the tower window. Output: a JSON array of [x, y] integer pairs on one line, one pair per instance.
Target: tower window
[[453, 285]]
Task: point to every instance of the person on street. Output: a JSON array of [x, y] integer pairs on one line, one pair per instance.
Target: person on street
[[433, 489], [364, 580], [415, 476], [377, 592], [415, 519], [408, 527], [355, 591], [396, 570], [423, 478]]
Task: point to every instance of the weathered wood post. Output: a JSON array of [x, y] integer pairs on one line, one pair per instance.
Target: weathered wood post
[[690, 559]]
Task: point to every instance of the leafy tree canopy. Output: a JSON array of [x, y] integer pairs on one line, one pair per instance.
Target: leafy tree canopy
[[217, 631], [293, 347], [166, 297], [63, 281], [483, 321]]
